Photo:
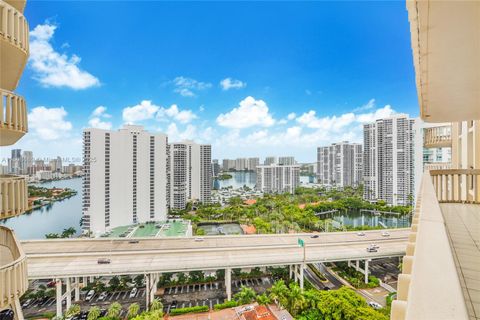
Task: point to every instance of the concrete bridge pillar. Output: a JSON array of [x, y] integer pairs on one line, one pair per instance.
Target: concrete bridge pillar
[[357, 265], [290, 272], [69, 293], [77, 289], [228, 283], [366, 270], [302, 267], [58, 287], [295, 272]]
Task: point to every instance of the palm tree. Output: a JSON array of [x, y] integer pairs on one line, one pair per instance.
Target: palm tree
[[245, 296], [278, 293], [156, 305], [114, 310], [93, 313], [296, 300], [263, 299], [133, 310], [73, 310]]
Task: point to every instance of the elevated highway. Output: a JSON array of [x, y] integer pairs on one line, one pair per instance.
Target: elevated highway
[[60, 258]]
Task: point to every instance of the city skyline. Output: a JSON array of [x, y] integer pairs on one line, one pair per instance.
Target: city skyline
[[278, 98]]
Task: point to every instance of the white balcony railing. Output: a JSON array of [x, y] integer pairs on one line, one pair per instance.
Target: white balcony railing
[[429, 286], [13, 196], [13, 26], [437, 166], [13, 270], [13, 117], [457, 185], [437, 137]]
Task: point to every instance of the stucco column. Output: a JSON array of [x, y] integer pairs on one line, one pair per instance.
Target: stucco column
[[228, 283], [302, 266], [77, 289], [58, 287], [69, 292], [366, 271]]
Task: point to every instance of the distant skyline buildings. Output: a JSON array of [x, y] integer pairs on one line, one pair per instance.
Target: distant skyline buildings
[[277, 178], [340, 164]]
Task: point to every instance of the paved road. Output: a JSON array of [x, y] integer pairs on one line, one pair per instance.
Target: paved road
[[78, 257]]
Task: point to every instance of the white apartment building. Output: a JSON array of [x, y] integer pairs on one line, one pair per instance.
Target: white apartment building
[[388, 158], [253, 163], [287, 161], [191, 173], [340, 164], [275, 178], [270, 160], [125, 179]]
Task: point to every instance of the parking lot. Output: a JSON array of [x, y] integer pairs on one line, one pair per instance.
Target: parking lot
[[208, 294]]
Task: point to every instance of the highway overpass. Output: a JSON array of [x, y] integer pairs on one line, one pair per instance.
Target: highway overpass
[[70, 260]]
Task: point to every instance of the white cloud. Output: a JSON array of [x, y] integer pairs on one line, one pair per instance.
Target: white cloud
[[53, 69], [384, 112], [183, 116], [249, 113], [187, 86], [369, 105], [49, 123], [229, 83], [96, 118], [310, 120], [291, 116], [143, 111], [174, 134]]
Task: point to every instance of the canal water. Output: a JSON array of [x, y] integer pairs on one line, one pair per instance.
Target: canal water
[[355, 218], [54, 218]]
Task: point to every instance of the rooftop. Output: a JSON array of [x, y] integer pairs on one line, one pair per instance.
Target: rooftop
[[169, 228]]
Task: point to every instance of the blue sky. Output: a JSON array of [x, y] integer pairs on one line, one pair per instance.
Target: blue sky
[[252, 79]]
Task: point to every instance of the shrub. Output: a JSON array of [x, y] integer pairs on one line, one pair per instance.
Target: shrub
[[176, 312], [225, 305]]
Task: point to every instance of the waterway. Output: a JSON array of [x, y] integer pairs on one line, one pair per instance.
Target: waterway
[[52, 218]]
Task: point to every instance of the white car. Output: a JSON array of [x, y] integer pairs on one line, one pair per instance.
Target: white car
[[375, 246], [90, 295], [198, 239], [361, 234], [102, 296], [385, 234], [374, 305], [133, 293]]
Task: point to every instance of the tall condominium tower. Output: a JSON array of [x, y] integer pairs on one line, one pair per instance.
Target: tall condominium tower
[[125, 179], [275, 178], [270, 160], [286, 161], [253, 163], [388, 158], [191, 176], [340, 164]]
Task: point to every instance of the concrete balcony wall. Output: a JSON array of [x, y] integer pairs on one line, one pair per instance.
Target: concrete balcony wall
[[437, 137], [13, 117], [429, 286], [13, 196], [13, 271], [14, 45]]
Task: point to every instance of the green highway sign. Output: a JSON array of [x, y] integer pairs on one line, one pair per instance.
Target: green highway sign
[[301, 243]]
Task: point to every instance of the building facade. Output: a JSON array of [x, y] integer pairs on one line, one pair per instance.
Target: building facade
[[388, 160], [286, 161], [276, 178], [125, 177], [340, 164]]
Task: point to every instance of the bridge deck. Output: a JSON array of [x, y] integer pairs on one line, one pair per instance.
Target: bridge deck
[[78, 257]]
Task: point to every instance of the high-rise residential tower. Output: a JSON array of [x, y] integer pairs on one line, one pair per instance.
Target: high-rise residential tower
[[388, 158], [340, 164], [286, 161], [270, 160], [275, 178], [125, 179]]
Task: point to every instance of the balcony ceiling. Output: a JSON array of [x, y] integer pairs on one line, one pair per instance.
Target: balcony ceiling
[[17, 4], [446, 52]]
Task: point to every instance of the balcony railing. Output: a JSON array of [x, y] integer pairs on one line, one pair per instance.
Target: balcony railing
[[429, 286], [457, 185], [13, 26], [13, 270], [437, 137], [437, 166], [13, 196], [13, 117]]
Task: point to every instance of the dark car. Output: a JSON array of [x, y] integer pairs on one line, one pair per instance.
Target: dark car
[[315, 236], [103, 261], [7, 314]]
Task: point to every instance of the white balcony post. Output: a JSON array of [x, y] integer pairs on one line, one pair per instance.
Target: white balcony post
[[58, 286], [228, 283]]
